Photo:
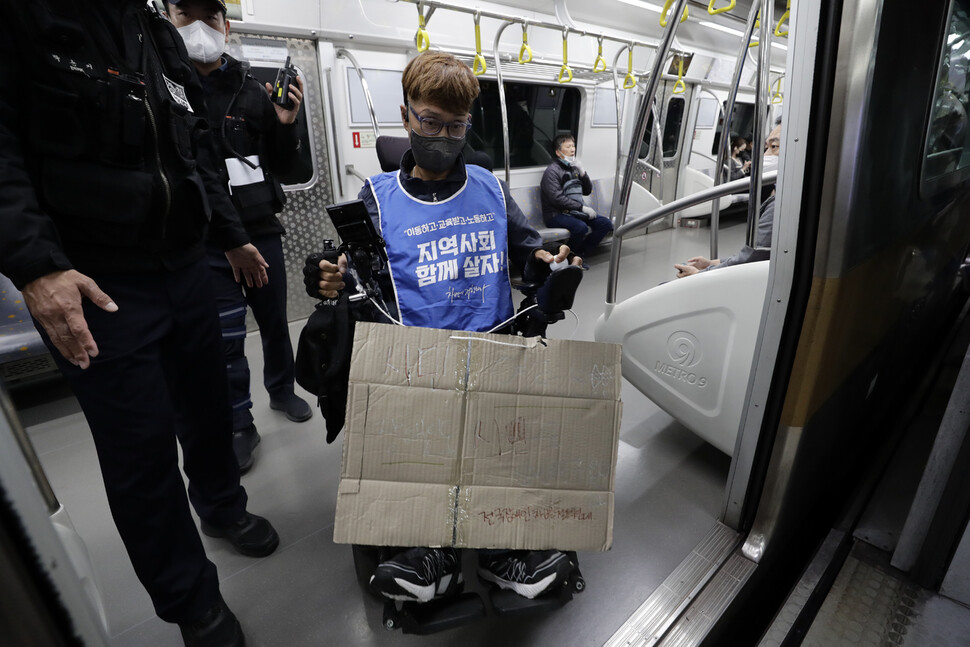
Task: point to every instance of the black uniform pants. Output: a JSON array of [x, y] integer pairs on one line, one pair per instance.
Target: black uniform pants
[[160, 376], [268, 304]]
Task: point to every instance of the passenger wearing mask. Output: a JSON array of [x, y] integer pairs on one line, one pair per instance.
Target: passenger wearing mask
[[766, 221], [106, 191], [739, 167], [450, 230], [255, 139], [563, 185]]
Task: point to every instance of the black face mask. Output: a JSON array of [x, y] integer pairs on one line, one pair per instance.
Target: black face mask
[[435, 154]]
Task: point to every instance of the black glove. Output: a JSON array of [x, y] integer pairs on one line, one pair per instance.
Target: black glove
[[311, 274]]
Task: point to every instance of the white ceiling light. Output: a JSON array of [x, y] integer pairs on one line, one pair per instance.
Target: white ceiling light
[[734, 32], [643, 5], [717, 27]]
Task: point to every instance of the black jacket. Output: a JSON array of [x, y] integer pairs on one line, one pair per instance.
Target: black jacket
[[552, 197], [106, 163], [244, 123]]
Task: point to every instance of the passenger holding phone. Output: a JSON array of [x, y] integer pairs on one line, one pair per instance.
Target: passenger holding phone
[[450, 230], [256, 138]]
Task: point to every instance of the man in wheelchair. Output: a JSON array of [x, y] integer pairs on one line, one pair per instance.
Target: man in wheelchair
[[450, 231]]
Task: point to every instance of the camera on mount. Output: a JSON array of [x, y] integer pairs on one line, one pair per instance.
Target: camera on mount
[[361, 243], [281, 89]]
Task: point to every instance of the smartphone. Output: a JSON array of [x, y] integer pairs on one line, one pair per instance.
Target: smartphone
[[354, 226]]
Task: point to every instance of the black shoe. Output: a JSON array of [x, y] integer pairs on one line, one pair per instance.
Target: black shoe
[[526, 572], [419, 574], [252, 535], [218, 627], [295, 407], [244, 444]]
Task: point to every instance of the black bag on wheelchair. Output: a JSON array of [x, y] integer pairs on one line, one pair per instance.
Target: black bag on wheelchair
[[323, 357]]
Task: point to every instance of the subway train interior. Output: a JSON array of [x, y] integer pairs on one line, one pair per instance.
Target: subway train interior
[[787, 471]]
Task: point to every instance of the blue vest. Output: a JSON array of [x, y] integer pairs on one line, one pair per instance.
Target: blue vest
[[448, 260]]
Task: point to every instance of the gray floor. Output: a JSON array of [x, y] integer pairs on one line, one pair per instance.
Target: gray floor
[[668, 494]]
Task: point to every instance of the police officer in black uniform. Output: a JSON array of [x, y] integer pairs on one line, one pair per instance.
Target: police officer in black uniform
[[256, 138], [105, 195]]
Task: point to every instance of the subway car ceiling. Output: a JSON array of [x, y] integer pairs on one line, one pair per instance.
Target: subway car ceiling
[[380, 37]]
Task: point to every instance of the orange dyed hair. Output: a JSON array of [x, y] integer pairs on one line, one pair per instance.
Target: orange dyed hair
[[440, 79]]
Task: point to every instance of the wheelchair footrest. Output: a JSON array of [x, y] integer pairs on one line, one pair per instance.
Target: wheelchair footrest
[[507, 603], [434, 616]]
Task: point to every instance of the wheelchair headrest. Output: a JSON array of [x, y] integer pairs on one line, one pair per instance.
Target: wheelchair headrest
[[390, 150]]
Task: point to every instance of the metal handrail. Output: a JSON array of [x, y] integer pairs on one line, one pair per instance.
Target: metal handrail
[[502, 104], [352, 170], [722, 150], [343, 53], [30, 454], [518, 20], [621, 201], [761, 103], [707, 195], [656, 138]]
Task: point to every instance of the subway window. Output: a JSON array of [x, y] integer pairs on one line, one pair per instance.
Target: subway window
[[672, 124], [536, 113], [647, 135], [604, 106], [303, 171], [947, 143], [385, 91], [742, 124]]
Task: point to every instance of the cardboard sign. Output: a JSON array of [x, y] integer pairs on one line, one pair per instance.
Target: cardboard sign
[[481, 441]]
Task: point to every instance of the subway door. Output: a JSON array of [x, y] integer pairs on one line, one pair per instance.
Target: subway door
[[308, 186]]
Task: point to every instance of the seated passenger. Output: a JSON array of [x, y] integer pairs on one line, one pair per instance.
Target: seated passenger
[[433, 283], [762, 249], [563, 186], [739, 167]]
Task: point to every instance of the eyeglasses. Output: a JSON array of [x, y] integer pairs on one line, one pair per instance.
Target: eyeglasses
[[433, 126]]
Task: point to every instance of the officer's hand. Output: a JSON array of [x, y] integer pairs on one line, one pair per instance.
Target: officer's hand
[[685, 270], [248, 263], [285, 116], [54, 301], [332, 277]]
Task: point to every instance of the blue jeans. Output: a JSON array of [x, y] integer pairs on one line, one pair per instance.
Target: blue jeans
[[579, 242]]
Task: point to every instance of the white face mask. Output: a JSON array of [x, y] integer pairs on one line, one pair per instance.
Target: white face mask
[[203, 43], [569, 160]]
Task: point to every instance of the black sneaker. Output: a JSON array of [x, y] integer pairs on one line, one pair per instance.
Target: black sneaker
[[526, 572], [217, 627], [244, 444], [252, 535], [419, 574], [293, 407]]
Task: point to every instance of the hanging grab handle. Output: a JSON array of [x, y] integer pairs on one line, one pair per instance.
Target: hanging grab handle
[[421, 39], [778, 32], [778, 97], [479, 66], [565, 74], [711, 10], [600, 61], [525, 52], [679, 87], [666, 10], [630, 81]]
